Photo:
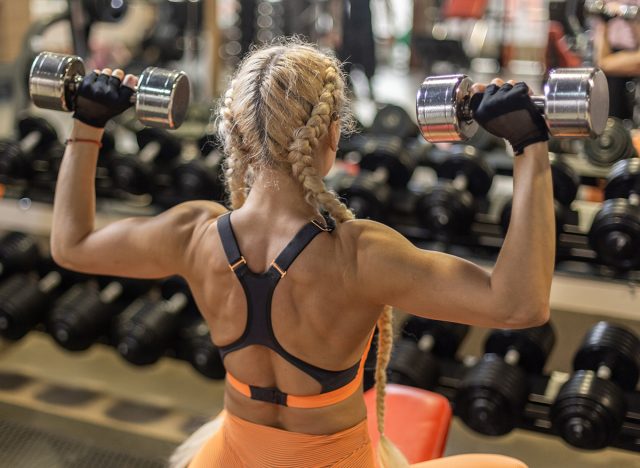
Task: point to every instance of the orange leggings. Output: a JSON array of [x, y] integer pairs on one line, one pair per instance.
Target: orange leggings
[[242, 444]]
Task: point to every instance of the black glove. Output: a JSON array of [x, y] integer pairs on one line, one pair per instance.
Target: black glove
[[508, 112], [99, 98]]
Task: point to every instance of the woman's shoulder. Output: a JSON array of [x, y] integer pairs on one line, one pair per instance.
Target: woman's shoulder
[[359, 234]]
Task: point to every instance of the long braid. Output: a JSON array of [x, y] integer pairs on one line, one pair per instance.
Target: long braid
[[236, 163]]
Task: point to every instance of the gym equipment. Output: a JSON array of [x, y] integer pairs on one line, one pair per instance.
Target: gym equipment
[[565, 190], [161, 97], [85, 312], [25, 300], [136, 174], [384, 165], [575, 104], [413, 361], [615, 231], [195, 346], [18, 253], [492, 395], [16, 157], [600, 9], [146, 329], [612, 145], [448, 208], [590, 408], [394, 120], [201, 177]]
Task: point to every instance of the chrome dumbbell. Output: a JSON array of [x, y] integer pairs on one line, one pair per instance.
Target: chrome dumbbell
[[600, 9], [161, 97], [575, 104]]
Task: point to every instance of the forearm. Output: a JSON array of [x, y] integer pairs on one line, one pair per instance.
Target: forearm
[[623, 63], [524, 269], [74, 202]]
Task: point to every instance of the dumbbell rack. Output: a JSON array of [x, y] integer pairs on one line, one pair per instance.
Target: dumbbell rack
[[544, 389]]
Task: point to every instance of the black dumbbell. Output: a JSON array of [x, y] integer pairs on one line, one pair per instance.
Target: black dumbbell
[[612, 145], [385, 165], [87, 310], [413, 361], [137, 174], [590, 408], [492, 395], [147, 328], [565, 189], [201, 176], [17, 156], [18, 253], [195, 346], [449, 207], [615, 231], [394, 121], [25, 300]]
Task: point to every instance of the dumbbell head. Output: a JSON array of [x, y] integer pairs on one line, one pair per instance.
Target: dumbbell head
[[447, 336], [615, 234], [612, 145], [623, 179], [195, 346], [590, 407], [532, 344], [575, 104], [161, 97], [393, 120], [565, 181], [388, 153], [468, 162], [491, 396], [18, 252], [409, 365], [14, 162], [615, 347]]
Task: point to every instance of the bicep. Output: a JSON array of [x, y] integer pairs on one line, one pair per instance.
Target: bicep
[[393, 271], [141, 247]]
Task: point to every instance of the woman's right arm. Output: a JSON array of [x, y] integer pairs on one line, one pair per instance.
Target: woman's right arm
[[388, 269]]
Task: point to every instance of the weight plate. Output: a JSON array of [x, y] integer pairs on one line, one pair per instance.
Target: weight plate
[[588, 412], [388, 153], [440, 106], [491, 396], [614, 346], [533, 344], [612, 145], [623, 179], [447, 336], [394, 120], [565, 181], [27, 125], [445, 210], [469, 162], [615, 234]]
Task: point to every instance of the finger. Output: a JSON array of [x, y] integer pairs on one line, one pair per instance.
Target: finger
[[512, 82], [106, 71], [492, 89], [130, 80], [506, 87], [478, 88], [118, 73], [497, 81]]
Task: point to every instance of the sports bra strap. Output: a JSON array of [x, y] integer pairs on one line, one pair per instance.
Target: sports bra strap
[[297, 245], [229, 242]]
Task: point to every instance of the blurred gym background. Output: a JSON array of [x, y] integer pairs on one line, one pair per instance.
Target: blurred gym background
[[110, 372]]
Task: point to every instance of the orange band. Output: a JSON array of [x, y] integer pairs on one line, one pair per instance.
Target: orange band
[[314, 401], [84, 140]]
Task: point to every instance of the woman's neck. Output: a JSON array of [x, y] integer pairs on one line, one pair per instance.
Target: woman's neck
[[278, 193]]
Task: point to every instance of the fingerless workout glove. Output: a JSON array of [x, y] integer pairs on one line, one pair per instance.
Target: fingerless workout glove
[[100, 98], [508, 112]]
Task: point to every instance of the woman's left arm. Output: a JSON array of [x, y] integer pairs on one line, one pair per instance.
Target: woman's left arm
[[141, 247]]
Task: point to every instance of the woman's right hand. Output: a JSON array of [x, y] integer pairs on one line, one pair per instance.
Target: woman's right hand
[[102, 95], [507, 111]]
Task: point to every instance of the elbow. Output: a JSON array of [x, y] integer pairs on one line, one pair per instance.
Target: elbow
[[528, 315], [60, 254]]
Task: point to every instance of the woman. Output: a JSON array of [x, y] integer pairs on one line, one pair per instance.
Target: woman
[[293, 337]]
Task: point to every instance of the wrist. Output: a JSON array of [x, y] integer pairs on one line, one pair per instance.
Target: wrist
[[85, 131]]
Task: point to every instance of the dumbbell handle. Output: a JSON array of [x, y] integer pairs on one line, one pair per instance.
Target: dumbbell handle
[[539, 101]]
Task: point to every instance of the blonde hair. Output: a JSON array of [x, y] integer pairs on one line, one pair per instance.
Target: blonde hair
[[278, 107]]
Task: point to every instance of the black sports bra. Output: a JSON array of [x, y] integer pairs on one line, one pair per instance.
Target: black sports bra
[[259, 289]]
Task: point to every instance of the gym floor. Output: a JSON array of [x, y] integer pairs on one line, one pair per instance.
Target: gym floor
[[92, 409]]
